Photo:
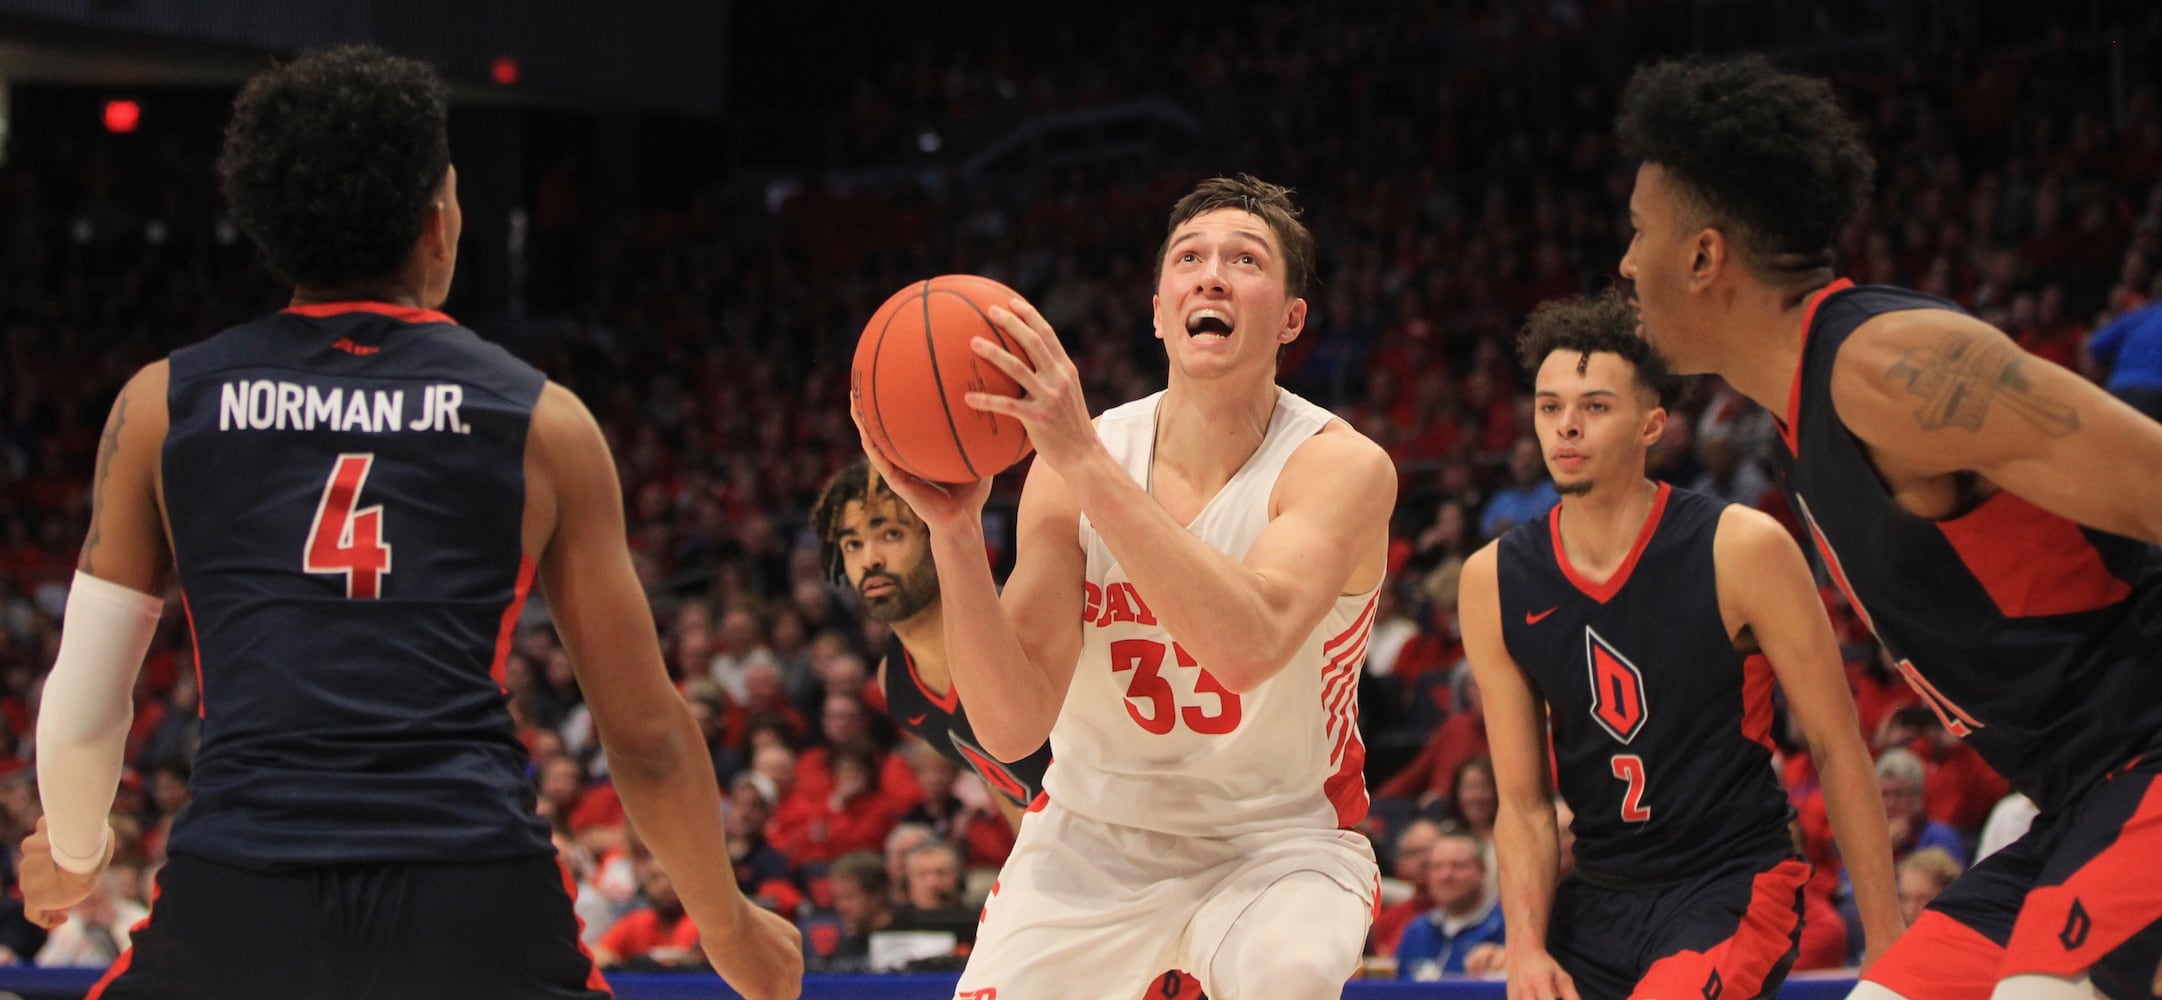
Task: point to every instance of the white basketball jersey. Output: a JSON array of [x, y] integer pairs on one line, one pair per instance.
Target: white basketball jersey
[[1148, 739]]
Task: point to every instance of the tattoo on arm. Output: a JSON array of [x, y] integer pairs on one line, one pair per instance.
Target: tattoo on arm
[[108, 446], [1960, 376]]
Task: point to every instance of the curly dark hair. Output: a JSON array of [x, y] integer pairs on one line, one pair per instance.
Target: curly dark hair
[[855, 482], [1272, 202], [1767, 154], [1594, 324], [331, 161]]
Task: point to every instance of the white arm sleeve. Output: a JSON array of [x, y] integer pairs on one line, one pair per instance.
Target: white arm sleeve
[[84, 716]]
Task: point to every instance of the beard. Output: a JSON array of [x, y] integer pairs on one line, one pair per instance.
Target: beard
[[1581, 487], [910, 594]]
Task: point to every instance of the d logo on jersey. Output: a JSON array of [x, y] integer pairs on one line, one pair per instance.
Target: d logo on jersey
[[1617, 688]]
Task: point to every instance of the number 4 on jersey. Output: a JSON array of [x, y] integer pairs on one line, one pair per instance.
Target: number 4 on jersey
[[348, 541]]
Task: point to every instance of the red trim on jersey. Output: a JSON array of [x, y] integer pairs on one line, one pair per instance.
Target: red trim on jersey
[[2066, 928], [1794, 394], [509, 627], [1346, 788], [2031, 561], [127, 957], [195, 642], [1042, 799], [1939, 957], [594, 979], [949, 704], [403, 314], [1365, 616], [1757, 682], [1764, 935], [1339, 675], [1604, 592]]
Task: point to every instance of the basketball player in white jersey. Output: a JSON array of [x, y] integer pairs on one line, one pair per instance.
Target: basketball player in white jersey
[[1193, 586]]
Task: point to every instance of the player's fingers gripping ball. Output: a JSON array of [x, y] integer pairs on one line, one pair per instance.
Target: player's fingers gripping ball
[[914, 368]]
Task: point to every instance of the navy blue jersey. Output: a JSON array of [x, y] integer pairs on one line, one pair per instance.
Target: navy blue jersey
[[1662, 729], [2035, 638], [345, 485], [943, 723]]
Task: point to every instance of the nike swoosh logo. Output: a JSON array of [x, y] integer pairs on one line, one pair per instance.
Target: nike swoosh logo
[[917, 720], [1532, 619]]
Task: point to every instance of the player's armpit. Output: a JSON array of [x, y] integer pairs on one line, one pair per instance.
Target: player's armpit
[[1934, 392], [1328, 537], [125, 543]]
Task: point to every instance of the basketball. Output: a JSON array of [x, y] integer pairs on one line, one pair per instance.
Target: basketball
[[914, 368]]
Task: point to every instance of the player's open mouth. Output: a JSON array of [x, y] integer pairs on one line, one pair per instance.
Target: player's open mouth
[[1208, 323]]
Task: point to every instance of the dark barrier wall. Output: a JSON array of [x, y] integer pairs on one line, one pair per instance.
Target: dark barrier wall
[[668, 57], [69, 984]]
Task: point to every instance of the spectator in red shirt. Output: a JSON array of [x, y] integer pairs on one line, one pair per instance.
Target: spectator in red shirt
[[1431, 776], [660, 934], [813, 826], [1958, 789], [846, 721], [970, 824]]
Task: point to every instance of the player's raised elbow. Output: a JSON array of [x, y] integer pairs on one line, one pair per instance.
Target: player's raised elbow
[[1011, 748], [1241, 673]]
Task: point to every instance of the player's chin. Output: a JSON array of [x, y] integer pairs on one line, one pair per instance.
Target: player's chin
[[1572, 487]]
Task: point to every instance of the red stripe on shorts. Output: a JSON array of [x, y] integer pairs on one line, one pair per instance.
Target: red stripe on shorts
[[1742, 961]]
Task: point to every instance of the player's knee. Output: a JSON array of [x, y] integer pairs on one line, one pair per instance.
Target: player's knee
[[2040, 987], [1281, 962]]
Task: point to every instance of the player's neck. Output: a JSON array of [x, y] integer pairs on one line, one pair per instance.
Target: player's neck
[[1205, 433], [1599, 528], [923, 634], [391, 294], [1760, 343]]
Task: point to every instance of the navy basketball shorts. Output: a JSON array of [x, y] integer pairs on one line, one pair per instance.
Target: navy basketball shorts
[[2077, 894], [487, 930], [1728, 934]]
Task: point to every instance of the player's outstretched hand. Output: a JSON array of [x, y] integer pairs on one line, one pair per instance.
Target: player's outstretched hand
[[763, 959], [941, 506], [48, 889], [1534, 975], [1052, 405]]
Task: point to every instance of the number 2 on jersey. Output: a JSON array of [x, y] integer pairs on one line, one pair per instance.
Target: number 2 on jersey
[[348, 541], [1145, 657], [1630, 768]]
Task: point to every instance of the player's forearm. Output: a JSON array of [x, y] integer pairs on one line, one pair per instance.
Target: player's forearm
[[1011, 701], [665, 779], [1527, 846], [1209, 602], [1856, 811], [87, 708]]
